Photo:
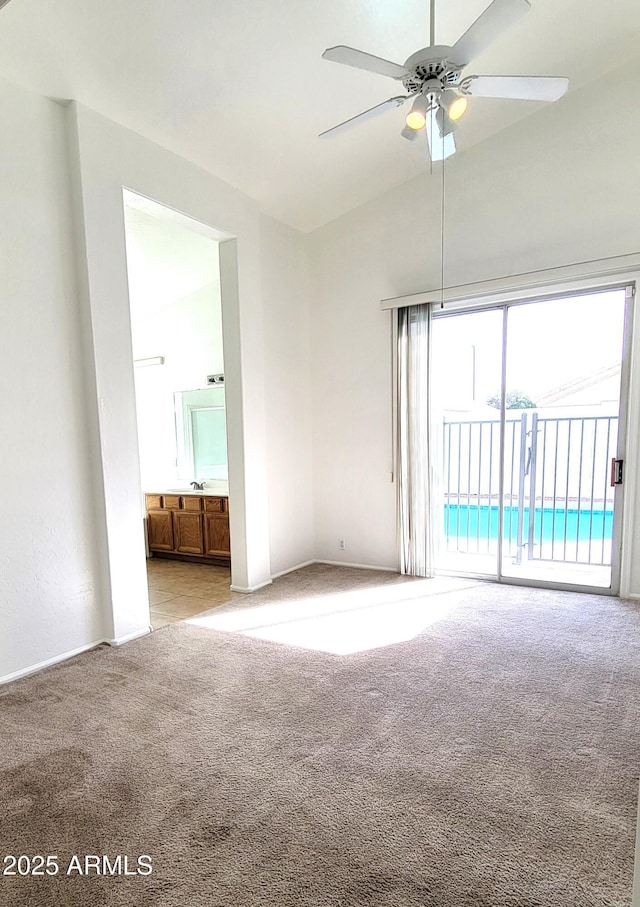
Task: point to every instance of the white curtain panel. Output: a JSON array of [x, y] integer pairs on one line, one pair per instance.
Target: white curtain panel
[[414, 442]]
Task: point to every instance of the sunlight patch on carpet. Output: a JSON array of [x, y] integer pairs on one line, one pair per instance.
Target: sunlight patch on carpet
[[342, 623]]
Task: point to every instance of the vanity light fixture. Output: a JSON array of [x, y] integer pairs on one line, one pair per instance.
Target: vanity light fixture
[[151, 360]]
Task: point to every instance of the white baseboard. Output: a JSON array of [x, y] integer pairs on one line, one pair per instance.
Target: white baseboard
[[247, 589], [292, 569], [359, 566], [332, 564], [121, 640], [138, 634], [49, 662]]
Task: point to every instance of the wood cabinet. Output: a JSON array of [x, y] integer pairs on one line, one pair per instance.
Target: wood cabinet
[[216, 534], [160, 530], [189, 526], [187, 532]]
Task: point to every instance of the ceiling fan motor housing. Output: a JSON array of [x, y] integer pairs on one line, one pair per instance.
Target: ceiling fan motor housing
[[432, 77], [429, 68]]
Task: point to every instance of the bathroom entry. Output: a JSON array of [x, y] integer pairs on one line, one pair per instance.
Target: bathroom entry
[[176, 330]]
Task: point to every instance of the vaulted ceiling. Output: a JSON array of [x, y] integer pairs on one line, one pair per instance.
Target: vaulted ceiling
[[239, 86]]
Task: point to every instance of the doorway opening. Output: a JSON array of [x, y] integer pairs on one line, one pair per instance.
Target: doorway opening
[[176, 328], [531, 433]]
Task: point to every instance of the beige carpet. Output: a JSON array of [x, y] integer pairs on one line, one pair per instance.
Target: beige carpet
[[490, 760]]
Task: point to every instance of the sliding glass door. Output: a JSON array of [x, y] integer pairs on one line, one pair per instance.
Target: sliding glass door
[[563, 366], [527, 404], [466, 373]]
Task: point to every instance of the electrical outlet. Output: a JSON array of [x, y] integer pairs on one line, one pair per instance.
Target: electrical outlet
[[341, 545]]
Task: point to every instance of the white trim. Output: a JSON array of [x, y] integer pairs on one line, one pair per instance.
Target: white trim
[[628, 534], [587, 275], [623, 494], [246, 589], [310, 564], [359, 566], [49, 662], [634, 596], [65, 656], [121, 640], [292, 569]]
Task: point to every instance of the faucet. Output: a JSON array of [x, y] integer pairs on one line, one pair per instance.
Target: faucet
[[197, 486]]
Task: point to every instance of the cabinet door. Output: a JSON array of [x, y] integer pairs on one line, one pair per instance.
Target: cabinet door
[[216, 535], [187, 530], [160, 530]]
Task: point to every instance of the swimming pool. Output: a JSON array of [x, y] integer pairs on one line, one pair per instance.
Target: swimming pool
[[576, 525]]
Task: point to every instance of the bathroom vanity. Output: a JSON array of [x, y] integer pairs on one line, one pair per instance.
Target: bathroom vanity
[[189, 526]]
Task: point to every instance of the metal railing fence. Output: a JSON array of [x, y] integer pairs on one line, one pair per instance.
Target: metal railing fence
[[558, 502]]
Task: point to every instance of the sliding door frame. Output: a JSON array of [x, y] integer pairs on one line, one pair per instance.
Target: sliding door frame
[[615, 273], [621, 442]]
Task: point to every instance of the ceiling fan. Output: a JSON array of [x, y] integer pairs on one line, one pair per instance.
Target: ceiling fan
[[433, 79]]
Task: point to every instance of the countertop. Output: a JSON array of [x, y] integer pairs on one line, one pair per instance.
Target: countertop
[[218, 491]]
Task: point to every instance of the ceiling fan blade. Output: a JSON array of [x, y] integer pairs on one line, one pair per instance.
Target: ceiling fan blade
[[521, 88], [440, 146], [349, 56], [365, 115], [3, 3], [496, 18]]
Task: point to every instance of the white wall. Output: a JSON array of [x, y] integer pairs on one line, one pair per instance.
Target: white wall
[[188, 335], [50, 601], [287, 379], [560, 187], [72, 559]]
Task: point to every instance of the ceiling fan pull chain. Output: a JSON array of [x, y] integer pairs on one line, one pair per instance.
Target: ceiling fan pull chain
[[442, 231]]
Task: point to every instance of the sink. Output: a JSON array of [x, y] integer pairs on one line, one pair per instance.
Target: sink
[[221, 491]]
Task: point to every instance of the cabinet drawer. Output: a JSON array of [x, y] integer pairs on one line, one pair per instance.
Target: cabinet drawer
[[171, 501], [215, 505], [191, 502], [153, 501]]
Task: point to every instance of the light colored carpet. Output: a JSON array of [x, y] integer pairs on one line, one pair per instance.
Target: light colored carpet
[[488, 760]]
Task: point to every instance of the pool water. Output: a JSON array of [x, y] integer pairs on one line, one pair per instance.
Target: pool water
[[475, 521]]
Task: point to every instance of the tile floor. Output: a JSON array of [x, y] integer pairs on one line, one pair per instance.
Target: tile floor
[[179, 589]]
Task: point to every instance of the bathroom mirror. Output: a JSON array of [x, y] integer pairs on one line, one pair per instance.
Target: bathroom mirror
[[201, 434]]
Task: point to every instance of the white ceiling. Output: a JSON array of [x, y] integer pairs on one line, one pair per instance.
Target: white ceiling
[[239, 86], [166, 260]]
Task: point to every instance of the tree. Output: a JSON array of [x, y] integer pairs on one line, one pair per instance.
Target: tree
[[515, 400]]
